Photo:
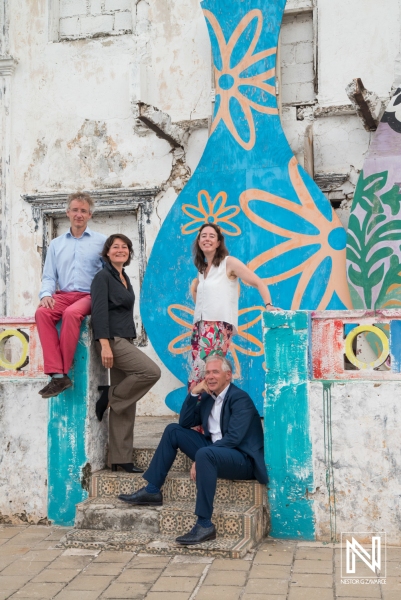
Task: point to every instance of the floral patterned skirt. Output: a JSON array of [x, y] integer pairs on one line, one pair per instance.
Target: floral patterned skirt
[[208, 337]]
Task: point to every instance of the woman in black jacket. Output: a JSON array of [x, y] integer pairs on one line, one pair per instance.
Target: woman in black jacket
[[132, 372]]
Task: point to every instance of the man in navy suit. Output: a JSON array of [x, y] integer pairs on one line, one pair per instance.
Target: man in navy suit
[[230, 448]]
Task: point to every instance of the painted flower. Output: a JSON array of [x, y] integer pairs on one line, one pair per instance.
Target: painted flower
[[317, 255], [241, 77], [211, 211], [247, 343]]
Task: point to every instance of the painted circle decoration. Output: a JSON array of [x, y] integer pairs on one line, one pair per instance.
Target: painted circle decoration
[[366, 329], [23, 359]]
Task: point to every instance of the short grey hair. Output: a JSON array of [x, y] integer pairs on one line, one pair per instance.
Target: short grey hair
[[81, 197], [226, 364]]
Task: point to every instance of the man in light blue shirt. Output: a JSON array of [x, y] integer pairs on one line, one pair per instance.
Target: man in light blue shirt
[[72, 261]]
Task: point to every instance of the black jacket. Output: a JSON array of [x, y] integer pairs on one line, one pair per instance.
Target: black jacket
[[112, 305], [239, 422]]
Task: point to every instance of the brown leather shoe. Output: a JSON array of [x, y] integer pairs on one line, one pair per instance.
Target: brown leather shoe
[[43, 390], [56, 386]]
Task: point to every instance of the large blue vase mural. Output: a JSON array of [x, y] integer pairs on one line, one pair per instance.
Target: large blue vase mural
[[274, 217]]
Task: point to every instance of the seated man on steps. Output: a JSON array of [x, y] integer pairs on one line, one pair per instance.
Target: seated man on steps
[[230, 448]]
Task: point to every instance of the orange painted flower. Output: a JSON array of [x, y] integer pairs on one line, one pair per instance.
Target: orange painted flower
[[326, 244], [248, 344], [237, 79], [211, 211]]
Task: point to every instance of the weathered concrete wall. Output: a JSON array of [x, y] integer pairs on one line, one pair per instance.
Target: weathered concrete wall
[[356, 458]]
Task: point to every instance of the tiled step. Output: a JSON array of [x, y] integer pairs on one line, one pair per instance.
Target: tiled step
[[131, 541], [142, 457], [178, 486], [173, 518]]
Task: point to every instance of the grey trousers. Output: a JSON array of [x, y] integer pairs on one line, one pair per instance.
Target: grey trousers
[[133, 374]]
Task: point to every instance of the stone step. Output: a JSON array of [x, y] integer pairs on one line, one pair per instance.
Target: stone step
[[178, 486], [142, 457], [173, 518], [132, 541]]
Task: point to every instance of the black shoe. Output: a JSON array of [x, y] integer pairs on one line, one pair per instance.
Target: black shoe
[[56, 386], [103, 402], [143, 498], [127, 467], [197, 535], [43, 390]]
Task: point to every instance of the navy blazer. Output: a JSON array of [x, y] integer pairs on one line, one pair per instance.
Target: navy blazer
[[239, 422]]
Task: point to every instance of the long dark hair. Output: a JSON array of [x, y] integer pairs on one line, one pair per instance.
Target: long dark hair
[[221, 252], [110, 241]]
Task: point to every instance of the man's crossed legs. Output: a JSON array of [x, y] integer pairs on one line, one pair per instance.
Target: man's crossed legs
[[212, 462]]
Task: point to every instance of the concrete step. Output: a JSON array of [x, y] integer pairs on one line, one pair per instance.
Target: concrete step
[[178, 486], [142, 457], [132, 541], [173, 518]]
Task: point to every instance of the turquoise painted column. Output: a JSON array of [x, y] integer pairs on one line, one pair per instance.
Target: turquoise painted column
[[288, 446], [76, 440]]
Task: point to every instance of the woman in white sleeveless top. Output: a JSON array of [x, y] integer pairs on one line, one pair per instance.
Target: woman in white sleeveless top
[[215, 292]]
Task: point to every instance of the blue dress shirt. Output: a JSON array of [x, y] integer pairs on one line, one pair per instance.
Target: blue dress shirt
[[71, 263]]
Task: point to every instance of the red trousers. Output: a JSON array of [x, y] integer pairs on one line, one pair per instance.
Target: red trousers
[[58, 353]]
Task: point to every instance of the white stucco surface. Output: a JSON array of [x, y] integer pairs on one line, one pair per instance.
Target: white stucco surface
[[366, 464]]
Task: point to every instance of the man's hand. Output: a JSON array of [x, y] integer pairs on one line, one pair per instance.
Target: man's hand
[[200, 387], [47, 302], [106, 354], [192, 473]]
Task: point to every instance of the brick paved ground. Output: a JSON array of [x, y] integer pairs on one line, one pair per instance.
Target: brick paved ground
[[32, 567]]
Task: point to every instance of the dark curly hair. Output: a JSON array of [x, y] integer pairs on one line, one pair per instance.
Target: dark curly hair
[[221, 252], [110, 241]]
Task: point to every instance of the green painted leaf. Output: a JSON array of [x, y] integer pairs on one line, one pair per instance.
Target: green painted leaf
[[393, 199]]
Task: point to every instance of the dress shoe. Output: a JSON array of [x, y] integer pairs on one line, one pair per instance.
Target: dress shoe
[[43, 390], [56, 386], [127, 467], [103, 402], [197, 535], [143, 498]]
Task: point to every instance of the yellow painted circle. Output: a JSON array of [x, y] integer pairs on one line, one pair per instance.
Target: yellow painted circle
[[4, 336], [367, 329]]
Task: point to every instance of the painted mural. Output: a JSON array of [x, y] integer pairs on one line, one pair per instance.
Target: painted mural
[[274, 217], [374, 234]]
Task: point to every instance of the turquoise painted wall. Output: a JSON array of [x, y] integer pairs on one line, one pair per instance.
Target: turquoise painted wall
[[66, 439], [288, 446]]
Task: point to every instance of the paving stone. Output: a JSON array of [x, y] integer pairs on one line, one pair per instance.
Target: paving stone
[[313, 566], [393, 583], [13, 550], [393, 553], [314, 554], [149, 562], [310, 580], [91, 583], [270, 572], [20, 567], [311, 594], [173, 584], [168, 596], [277, 546], [263, 557], [388, 594], [71, 562], [133, 591], [45, 545], [72, 595], [139, 576], [262, 597], [267, 586], [56, 575], [5, 594], [13, 582], [230, 564], [41, 591], [184, 570], [6, 560], [226, 578], [41, 555], [112, 568], [8, 532], [393, 568], [115, 557], [220, 592], [358, 591]]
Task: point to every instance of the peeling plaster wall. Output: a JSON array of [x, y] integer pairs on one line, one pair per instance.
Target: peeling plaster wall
[[365, 430]]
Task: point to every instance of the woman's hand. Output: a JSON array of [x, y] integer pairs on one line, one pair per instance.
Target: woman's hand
[[106, 354], [192, 473]]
